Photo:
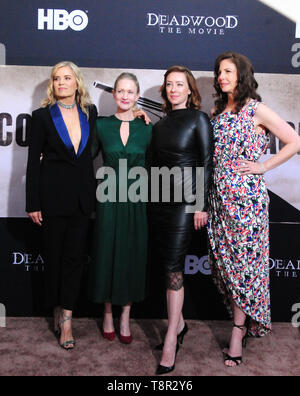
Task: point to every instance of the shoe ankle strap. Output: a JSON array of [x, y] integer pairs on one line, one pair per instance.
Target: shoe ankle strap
[[241, 327], [64, 318]]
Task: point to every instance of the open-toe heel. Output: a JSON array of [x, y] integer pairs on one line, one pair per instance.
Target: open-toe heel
[[65, 345], [237, 360]]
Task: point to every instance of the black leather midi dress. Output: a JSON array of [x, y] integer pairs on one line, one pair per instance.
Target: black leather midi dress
[[182, 142]]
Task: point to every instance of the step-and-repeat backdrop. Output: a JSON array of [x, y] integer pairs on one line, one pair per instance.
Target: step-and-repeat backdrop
[[144, 37]]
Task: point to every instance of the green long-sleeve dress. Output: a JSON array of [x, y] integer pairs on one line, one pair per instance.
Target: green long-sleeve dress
[[118, 269]]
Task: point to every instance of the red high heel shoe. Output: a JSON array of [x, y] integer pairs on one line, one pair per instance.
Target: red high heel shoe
[[126, 339], [109, 336]]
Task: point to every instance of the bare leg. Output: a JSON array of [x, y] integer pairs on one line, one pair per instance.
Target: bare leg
[[235, 347], [175, 299], [124, 322], [66, 328], [108, 322], [181, 323]]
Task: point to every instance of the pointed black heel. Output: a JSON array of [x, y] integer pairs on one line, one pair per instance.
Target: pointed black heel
[[183, 332], [161, 370], [180, 338]]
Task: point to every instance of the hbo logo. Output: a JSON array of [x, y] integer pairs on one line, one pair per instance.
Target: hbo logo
[[193, 265], [62, 20]]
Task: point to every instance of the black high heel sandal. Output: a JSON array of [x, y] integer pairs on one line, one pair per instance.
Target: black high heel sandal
[[70, 343], [161, 370], [238, 359], [180, 338]]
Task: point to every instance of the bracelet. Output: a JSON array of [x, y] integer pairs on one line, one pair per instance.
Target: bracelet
[[262, 168]]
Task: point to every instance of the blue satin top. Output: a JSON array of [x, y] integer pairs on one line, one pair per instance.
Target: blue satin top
[[63, 131]]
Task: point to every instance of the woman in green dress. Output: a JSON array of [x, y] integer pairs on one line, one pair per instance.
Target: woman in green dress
[[118, 273]]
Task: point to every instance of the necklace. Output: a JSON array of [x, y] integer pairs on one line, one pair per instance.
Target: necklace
[[66, 106]]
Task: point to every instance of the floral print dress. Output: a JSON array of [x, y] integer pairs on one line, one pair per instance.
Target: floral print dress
[[238, 225]]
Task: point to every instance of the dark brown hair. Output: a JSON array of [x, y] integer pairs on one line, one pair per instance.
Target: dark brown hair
[[246, 87], [194, 99]]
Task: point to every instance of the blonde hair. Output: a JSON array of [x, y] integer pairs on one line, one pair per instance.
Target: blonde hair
[[82, 95], [132, 77]]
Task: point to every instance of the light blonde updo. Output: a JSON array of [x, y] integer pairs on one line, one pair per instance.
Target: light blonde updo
[[132, 77]]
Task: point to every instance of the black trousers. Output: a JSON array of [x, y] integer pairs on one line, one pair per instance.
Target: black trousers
[[64, 240]]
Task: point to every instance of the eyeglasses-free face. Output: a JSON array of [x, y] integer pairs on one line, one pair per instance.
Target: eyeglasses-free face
[[64, 83], [126, 94], [177, 90], [228, 76]]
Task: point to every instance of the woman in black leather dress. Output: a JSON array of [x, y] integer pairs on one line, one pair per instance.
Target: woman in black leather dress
[[182, 139]]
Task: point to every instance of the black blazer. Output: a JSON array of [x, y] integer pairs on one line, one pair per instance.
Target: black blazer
[[57, 181]]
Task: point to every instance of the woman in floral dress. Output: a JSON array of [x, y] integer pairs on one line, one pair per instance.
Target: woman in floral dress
[[238, 226]]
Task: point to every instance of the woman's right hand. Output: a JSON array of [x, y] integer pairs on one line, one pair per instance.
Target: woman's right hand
[[36, 217], [200, 220]]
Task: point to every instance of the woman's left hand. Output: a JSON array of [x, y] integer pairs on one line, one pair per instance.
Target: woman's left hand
[[200, 220], [141, 114], [249, 168]]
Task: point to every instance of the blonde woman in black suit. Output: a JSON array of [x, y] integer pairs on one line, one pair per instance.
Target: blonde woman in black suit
[[60, 188]]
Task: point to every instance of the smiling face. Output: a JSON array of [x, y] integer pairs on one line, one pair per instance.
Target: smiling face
[[228, 76], [64, 83], [177, 90], [126, 94]]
